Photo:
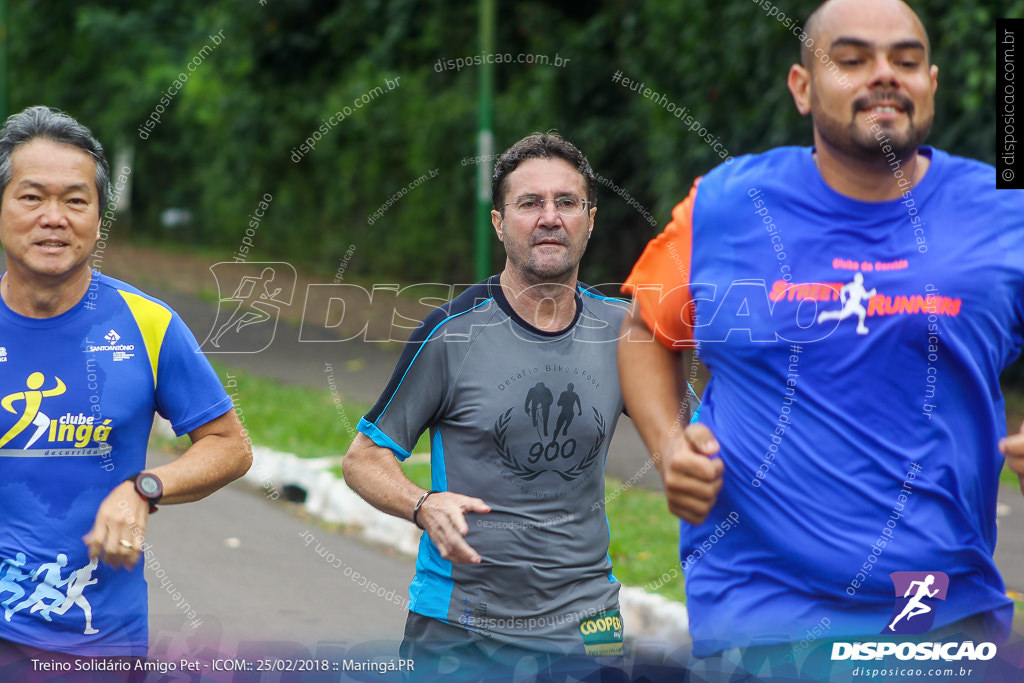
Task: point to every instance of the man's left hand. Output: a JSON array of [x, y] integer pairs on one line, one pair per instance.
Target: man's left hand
[[1013, 448], [120, 527]]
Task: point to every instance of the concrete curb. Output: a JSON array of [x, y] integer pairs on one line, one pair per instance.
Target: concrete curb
[[647, 616]]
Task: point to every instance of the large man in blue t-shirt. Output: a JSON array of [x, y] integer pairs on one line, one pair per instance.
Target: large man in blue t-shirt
[[85, 362], [855, 302]]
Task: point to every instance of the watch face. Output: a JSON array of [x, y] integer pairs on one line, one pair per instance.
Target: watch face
[[149, 485]]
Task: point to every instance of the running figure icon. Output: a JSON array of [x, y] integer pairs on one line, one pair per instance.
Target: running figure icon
[[568, 400], [852, 296], [915, 606], [48, 588], [33, 399], [252, 304], [9, 579], [539, 398], [79, 580]]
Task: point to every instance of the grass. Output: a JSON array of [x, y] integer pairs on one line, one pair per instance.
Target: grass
[[308, 422], [1014, 417], [171, 244], [645, 540]]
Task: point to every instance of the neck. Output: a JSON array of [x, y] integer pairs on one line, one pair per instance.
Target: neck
[[869, 180], [548, 306], [35, 297]]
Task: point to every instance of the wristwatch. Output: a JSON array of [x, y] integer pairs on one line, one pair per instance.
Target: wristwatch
[[149, 486]]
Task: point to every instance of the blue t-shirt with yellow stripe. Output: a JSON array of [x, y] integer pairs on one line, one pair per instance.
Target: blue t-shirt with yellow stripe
[[78, 392]]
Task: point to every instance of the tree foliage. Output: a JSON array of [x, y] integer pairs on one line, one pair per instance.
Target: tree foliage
[[285, 67]]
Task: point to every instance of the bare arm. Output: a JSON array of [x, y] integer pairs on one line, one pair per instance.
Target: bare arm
[[373, 473], [653, 388], [1013, 448], [220, 453]]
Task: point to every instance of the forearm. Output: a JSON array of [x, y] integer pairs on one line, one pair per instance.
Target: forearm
[[1013, 448], [652, 385], [219, 454], [374, 473]]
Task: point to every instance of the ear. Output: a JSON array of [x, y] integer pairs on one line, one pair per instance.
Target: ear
[[934, 72], [590, 223], [799, 83], [497, 220]]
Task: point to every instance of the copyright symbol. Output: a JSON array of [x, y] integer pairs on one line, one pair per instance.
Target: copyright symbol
[[1007, 174]]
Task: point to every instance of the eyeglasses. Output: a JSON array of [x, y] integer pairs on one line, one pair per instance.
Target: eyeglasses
[[567, 205]]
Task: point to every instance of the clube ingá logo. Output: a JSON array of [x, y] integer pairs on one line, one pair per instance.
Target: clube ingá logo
[[917, 594]]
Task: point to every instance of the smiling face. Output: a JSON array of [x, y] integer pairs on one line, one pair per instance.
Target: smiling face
[[546, 246], [883, 79], [49, 217]]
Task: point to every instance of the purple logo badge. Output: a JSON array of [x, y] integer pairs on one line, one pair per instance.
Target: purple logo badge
[[916, 596]]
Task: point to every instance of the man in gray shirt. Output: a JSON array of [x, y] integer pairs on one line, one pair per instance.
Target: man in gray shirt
[[515, 559]]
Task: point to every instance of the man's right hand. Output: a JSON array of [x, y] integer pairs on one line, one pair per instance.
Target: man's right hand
[[692, 477], [443, 517]]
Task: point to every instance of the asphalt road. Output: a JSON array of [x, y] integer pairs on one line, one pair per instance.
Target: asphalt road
[[236, 575]]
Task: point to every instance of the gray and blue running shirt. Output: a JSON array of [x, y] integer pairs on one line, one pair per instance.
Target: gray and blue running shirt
[[521, 418]]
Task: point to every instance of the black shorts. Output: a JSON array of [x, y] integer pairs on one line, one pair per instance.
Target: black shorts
[[441, 651]]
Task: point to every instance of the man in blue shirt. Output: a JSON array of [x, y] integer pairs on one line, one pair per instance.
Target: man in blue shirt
[[86, 362], [855, 302]]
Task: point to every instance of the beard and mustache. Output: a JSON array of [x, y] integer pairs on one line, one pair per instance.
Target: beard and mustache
[[860, 142]]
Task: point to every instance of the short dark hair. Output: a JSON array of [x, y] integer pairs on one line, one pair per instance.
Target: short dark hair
[[539, 146], [56, 126]]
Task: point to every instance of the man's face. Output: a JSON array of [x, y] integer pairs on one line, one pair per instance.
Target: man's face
[[883, 79], [49, 218], [545, 246]]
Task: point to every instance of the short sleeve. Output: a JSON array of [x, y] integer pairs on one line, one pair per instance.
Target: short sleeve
[[414, 397], [188, 392], [660, 280]]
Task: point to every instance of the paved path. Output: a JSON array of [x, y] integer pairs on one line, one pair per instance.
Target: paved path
[[260, 576]]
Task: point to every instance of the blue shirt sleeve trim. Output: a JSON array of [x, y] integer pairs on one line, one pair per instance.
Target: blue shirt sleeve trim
[[381, 439], [438, 473], [594, 294]]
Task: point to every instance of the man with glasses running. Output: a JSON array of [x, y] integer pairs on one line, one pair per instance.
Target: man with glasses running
[[514, 562]]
